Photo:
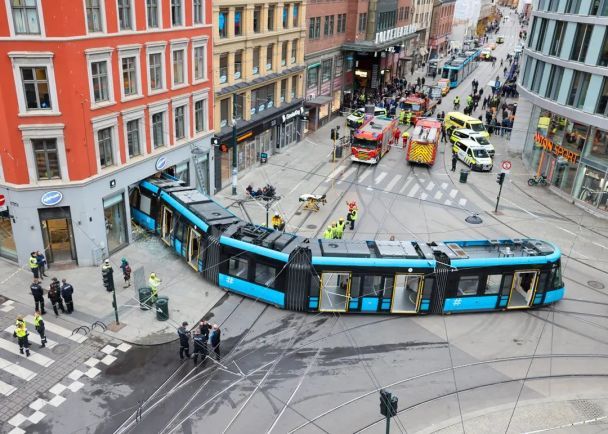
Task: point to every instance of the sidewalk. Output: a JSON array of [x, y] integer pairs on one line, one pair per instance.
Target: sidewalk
[[190, 297]]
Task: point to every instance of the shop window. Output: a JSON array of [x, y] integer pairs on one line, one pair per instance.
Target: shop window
[[468, 285], [238, 266], [265, 275], [581, 42], [115, 221], [597, 146], [594, 188], [8, 249], [238, 21]]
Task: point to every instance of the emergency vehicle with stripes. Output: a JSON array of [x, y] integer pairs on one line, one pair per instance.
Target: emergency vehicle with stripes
[[374, 139], [424, 141]]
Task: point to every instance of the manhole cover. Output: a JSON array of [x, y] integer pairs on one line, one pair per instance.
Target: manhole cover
[[60, 349], [311, 226], [298, 213], [595, 284]]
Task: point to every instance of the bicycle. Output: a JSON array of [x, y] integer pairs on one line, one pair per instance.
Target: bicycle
[[538, 180]]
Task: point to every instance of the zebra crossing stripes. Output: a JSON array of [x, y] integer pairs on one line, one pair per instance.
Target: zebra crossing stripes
[[430, 186], [16, 370], [413, 191], [34, 357], [34, 337], [345, 175], [63, 332], [438, 195], [395, 180], [364, 175], [380, 177]]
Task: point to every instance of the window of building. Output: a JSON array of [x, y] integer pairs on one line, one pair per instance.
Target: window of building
[[553, 4], [295, 14], [578, 89], [125, 10], [338, 66], [573, 6], [152, 12], [222, 24], [271, 14], [386, 20], [597, 146], [294, 50], [262, 98], [177, 13], [238, 64], [593, 187], [255, 61], [532, 32], [294, 86], [200, 62], [179, 122], [25, 17], [602, 102], [223, 68], [47, 158], [179, 77], [555, 81], [362, 22], [134, 137], [558, 38], [257, 17], [284, 53], [155, 71], [341, 23], [283, 90], [224, 112], [200, 115], [130, 83], [538, 75], [104, 143], [198, 12], [269, 52], [312, 79], [581, 42], [603, 59], [542, 30], [36, 88], [238, 21], [285, 16], [158, 130], [311, 28], [94, 17], [239, 106], [99, 77], [328, 28], [326, 71]]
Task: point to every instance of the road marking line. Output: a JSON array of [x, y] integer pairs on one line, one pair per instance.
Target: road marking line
[[35, 337], [16, 370], [346, 175], [599, 245], [438, 195], [407, 182], [364, 175], [34, 357], [430, 186], [462, 202], [423, 196], [453, 193], [61, 331], [566, 230], [444, 185], [380, 177], [6, 389], [448, 202], [394, 182], [413, 191], [333, 174]]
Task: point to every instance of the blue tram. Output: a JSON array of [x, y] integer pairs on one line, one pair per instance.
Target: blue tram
[[460, 66], [318, 275]]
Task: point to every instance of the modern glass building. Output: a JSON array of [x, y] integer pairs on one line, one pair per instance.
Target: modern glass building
[[565, 77]]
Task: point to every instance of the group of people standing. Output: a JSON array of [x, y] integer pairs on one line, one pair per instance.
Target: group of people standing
[[336, 230], [205, 339], [58, 293]]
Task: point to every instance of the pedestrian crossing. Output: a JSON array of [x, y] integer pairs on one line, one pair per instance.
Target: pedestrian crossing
[[411, 186]]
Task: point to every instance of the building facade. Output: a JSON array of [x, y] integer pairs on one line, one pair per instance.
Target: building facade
[[441, 27], [488, 15], [258, 54], [96, 96], [565, 80]]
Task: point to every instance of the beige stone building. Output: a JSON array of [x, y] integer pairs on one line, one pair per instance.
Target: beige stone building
[[258, 55]]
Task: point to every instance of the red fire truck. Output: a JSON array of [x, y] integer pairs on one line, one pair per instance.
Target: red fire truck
[[423, 143], [419, 106], [374, 139]]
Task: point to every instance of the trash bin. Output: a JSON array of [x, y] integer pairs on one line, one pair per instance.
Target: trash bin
[[464, 174], [162, 308], [145, 302], [338, 151]]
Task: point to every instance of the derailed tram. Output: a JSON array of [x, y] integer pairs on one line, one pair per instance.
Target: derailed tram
[[318, 275]]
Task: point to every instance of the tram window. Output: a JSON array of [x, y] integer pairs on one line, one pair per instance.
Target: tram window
[[238, 267], [407, 282], [314, 283], [179, 229], [144, 204], [372, 286], [468, 285], [355, 287], [506, 284], [389, 282], [265, 274], [493, 284], [557, 279], [542, 282], [428, 287]]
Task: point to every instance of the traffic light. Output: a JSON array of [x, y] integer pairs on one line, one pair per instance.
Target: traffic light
[[107, 276], [500, 178], [388, 403]]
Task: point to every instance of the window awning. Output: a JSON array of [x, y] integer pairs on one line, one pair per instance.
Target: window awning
[[319, 101]]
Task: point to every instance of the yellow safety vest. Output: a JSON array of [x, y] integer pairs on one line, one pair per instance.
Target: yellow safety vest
[[19, 323], [37, 321], [328, 235], [353, 215], [340, 229], [33, 263], [21, 332], [154, 282]]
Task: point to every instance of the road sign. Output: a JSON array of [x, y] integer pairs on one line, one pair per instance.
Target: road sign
[[506, 165]]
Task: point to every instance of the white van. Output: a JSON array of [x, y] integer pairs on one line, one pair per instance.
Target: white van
[[356, 118], [463, 134], [473, 155]]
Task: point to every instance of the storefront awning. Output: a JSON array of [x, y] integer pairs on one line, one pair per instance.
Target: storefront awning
[[319, 101]]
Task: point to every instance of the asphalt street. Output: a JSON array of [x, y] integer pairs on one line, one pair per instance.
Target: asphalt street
[[283, 372]]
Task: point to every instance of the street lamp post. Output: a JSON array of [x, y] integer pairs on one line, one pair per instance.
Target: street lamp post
[[235, 169]]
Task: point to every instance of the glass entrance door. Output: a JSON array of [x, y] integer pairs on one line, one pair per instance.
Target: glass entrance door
[[334, 292], [407, 293], [167, 227], [57, 235], [522, 289]]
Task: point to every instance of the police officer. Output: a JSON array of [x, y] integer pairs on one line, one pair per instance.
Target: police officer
[[351, 217], [21, 334], [154, 283], [19, 321], [214, 340], [39, 325], [454, 161], [199, 344], [55, 296], [67, 291], [457, 102], [184, 340], [328, 234], [38, 294], [340, 228], [33, 261]]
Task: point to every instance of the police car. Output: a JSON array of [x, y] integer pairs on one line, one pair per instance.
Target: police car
[[473, 155], [463, 134], [355, 119]]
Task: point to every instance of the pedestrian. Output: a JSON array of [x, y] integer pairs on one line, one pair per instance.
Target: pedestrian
[[444, 135], [21, 334], [107, 273], [67, 291], [199, 345], [154, 283], [41, 264], [328, 234], [38, 294], [33, 261], [19, 321], [277, 222], [505, 71], [214, 340], [55, 296], [340, 228], [454, 161], [352, 217], [484, 103], [126, 272], [480, 93], [39, 325], [184, 340], [205, 328], [405, 136]]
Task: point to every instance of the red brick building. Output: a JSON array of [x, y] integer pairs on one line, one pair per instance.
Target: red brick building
[[96, 95], [441, 27]]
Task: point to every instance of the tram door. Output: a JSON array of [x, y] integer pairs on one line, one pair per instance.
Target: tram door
[[407, 293], [522, 289], [167, 226], [335, 288], [194, 243]]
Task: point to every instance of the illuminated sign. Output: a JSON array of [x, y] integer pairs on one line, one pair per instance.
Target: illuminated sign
[[556, 150]]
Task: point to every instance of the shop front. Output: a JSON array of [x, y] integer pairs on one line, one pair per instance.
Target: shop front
[[8, 249], [116, 222]]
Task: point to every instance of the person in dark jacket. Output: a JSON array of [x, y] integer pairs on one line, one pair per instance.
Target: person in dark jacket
[[199, 344], [55, 296], [67, 291], [215, 339], [39, 324], [41, 260], [454, 161], [126, 272], [184, 340], [38, 294]]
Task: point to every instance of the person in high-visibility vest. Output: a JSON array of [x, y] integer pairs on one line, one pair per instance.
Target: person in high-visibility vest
[[33, 261], [340, 228], [401, 117], [334, 230], [351, 217], [408, 118], [154, 283], [277, 222], [405, 136], [21, 334], [19, 321], [329, 233], [39, 325]]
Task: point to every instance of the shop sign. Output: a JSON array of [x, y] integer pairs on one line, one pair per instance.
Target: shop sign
[[293, 114], [557, 150], [397, 32], [51, 198], [161, 163]]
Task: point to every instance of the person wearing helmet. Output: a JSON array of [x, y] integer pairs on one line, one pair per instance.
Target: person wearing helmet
[[329, 233], [154, 283], [405, 136], [277, 222], [334, 230], [340, 228]]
